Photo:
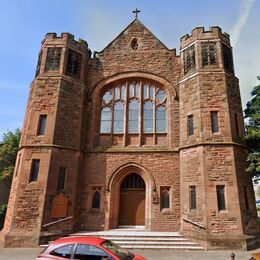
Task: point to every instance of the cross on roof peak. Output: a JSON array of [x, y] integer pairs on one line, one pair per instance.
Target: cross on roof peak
[[136, 11]]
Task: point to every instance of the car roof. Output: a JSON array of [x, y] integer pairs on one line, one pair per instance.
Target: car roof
[[81, 239]]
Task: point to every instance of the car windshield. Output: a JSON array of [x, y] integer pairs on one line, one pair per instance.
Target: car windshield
[[117, 250]]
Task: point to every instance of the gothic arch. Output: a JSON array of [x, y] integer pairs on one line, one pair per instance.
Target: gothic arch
[[123, 170], [113, 192], [169, 88], [99, 88]]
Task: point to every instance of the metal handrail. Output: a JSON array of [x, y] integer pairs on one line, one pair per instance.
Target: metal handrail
[[57, 221], [194, 223]]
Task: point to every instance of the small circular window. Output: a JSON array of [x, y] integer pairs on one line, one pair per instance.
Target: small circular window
[[134, 44]]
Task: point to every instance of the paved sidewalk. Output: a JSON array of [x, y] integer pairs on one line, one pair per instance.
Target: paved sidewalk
[[31, 253]]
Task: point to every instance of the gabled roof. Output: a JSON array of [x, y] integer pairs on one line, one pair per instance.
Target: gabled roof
[[138, 23]]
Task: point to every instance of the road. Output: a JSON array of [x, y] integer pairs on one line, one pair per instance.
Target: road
[[31, 253]]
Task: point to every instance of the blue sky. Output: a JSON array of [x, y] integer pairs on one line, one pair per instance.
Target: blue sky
[[23, 25]]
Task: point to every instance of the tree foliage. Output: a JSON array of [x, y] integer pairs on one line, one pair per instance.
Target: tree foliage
[[252, 114], [8, 151]]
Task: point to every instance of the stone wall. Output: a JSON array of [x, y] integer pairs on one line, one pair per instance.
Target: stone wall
[[100, 173]]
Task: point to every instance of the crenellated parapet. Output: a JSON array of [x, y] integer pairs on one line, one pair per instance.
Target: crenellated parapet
[[199, 33], [66, 39], [63, 55], [206, 51]]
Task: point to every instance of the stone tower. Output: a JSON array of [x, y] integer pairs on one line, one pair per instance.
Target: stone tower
[[51, 138], [212, 154], [133, 135]]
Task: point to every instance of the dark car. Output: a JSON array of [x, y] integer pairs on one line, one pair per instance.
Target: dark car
[[87, 248]]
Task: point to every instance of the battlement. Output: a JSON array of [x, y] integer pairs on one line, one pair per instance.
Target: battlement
[[65, 39], [199, 33]]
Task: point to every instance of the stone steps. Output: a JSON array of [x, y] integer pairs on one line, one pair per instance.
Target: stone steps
[[140, 239]]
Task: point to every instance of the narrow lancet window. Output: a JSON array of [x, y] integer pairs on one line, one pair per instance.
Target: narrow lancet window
[[193, 204], [106, 119], [148, 116], [214, 121], [165, 198], [221, 197], [61, 179], [96, 200], [34, 170], [160, 119], [119, 114], [41, 124], [190, 125], [133, 117]]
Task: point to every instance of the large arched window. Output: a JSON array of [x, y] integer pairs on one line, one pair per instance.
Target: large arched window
[[133, 108]]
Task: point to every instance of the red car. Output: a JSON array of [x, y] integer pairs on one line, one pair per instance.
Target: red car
[[87, 248]]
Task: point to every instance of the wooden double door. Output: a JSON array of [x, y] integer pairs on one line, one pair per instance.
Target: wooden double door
[[132, 201]]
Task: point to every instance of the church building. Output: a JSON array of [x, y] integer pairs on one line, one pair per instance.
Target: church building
[[133, 135]]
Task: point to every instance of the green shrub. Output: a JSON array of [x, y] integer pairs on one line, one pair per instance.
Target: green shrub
[[3, 208]]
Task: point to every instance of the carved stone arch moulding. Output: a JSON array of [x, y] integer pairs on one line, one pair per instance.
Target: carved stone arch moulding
[[123, 170], [169, 88]]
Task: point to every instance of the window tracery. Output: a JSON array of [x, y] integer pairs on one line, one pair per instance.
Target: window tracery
[[133, 107], [73, 64], [134, 44], [189, 59], [53, 59], [208, 53], [228, 59]]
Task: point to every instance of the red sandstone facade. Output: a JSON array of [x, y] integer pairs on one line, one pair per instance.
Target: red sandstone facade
[[190, 176]]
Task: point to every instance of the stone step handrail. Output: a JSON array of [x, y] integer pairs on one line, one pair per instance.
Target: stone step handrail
[[194, 223], [57, 221]]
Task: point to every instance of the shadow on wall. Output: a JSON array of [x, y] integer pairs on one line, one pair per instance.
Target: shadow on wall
[[4, 194], [3, 208]]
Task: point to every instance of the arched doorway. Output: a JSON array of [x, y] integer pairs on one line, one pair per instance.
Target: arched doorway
[[132, 200]]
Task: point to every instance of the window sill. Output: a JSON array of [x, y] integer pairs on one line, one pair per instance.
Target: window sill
[[166, 211], [223, 211]]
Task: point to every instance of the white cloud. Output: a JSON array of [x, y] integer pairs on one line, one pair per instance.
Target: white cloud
[[245, 8]]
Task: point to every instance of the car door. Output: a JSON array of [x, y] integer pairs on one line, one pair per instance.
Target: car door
[[62, 252], [90, 252]]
